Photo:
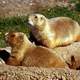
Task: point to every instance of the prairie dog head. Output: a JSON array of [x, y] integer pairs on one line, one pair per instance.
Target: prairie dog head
[[37, 20], [15, 38]]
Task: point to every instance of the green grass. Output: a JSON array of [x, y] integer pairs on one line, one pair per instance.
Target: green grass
[[61, 11], [20, 23], [12, 24]]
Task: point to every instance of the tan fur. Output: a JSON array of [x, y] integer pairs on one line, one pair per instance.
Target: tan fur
[[55, 31], [27, 54]]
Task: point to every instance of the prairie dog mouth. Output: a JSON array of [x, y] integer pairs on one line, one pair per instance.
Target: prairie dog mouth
[[30, 22]]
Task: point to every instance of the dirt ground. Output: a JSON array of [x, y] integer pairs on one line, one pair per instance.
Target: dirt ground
[[24, 7]]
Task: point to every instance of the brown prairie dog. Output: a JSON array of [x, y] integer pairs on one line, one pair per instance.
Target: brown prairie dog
[[27, 54], [54, 32]]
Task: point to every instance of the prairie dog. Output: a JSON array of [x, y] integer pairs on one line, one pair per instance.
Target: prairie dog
[[28, 54], [19, 43], [54, 32]]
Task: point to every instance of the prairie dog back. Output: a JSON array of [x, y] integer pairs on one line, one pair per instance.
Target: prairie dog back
[[55, 31]]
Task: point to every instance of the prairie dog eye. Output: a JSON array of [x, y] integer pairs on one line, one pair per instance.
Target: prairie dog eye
[[35, 17], [12, 35]]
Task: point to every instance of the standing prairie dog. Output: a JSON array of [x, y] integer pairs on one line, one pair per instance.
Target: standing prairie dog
[[54, 32], [27, 54]]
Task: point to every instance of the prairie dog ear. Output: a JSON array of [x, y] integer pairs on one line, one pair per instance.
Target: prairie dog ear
[[21, 36], [41, 18]]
